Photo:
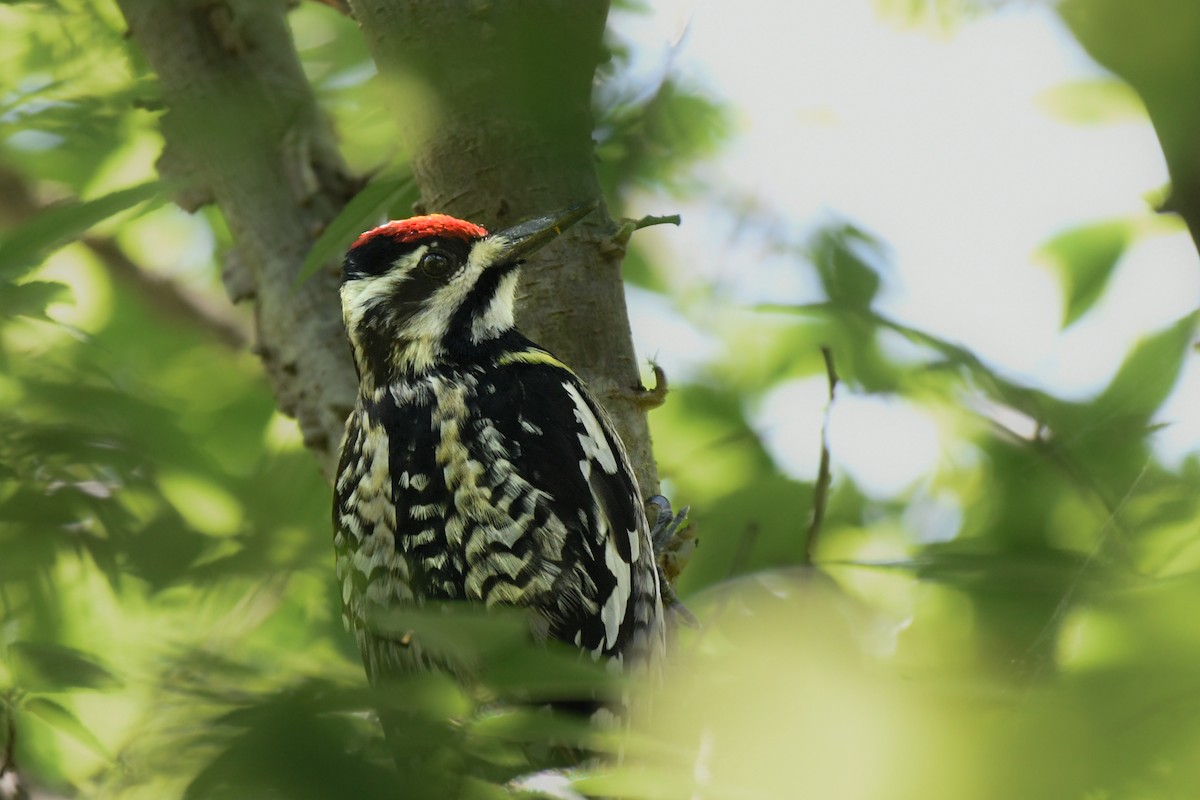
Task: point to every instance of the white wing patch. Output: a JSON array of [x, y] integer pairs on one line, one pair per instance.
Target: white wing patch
[[592, 440], [613, 612]]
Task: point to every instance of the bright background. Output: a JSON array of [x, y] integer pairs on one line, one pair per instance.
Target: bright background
[[951, 197], [966, 145]]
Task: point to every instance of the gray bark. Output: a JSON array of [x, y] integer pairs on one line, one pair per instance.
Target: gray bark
[[243, 130]]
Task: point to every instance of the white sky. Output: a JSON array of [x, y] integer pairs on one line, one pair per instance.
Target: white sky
[[939, 145]]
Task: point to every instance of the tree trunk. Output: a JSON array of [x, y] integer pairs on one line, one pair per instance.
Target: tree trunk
[[243, 129], [493, 102]]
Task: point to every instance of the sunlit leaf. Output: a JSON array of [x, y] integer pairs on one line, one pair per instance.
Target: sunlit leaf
[[1085, 258], [1095, 101], [43, 666], [361, 213], [54, 227], [1148, 373], [63, 720]]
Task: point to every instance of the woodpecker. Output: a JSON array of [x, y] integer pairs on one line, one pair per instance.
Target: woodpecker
[[476, 465]]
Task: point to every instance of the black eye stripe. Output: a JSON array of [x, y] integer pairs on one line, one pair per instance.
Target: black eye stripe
[[456, 249], [380, 254]]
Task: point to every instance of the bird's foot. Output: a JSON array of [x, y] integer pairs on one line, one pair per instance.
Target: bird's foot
[[673, 541]]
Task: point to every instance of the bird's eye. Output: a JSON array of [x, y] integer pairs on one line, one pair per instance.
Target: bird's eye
[[436, 264]]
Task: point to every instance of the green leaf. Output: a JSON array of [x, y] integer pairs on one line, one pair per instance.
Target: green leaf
[[552, 672], [1085, 258], [54, 227], [358, 215], [1097, 101], [40, 666], [532, 725], [460, 632], [29, 299], [1148, 373], [842, 255], [61, 719]]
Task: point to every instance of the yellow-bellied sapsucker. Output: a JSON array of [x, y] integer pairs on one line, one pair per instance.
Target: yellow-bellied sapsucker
[[476, 465]]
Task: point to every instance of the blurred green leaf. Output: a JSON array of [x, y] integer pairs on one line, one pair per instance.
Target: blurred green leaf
[[291, 749], [1095, 101], [461, 633], [63, 720], [29, 299], [43, 666], [1148, 373], [1030, 571], [361, 213], [845, 259], [56, 226], [1151, 44], [533, 672], [1085, 258], [652, 135], [1035, 404], [532, 725], [161, 552]]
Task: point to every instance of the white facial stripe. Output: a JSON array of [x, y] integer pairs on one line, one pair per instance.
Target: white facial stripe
[[498, 316], [361, 295], [424, 331], [485, 252]]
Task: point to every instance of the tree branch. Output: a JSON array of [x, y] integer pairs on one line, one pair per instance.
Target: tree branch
[[168, 299], [502, 131], [161, 294], [243, 129]]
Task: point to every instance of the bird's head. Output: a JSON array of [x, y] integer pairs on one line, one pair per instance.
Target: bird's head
[[415, 290]]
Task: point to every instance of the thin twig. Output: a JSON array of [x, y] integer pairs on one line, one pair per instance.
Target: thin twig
[[621, 238], [650, 219], [821, 489]]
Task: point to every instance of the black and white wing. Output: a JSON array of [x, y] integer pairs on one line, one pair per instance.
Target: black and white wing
[[573, 542]]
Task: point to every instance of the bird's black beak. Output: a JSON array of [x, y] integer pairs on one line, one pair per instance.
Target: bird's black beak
[[532, 235]]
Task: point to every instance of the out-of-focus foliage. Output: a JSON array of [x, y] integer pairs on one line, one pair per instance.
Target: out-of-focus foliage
[[1018, 622]]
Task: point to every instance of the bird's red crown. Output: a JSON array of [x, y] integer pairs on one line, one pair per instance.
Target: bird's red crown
[[424, 227]]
